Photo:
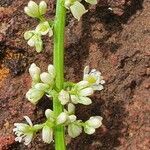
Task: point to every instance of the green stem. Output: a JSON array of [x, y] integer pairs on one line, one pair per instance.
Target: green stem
[[59, 29]]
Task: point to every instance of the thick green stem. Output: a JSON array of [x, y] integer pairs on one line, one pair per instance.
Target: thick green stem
[[59, 29]]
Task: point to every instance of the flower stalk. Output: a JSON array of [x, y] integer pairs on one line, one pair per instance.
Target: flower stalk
[[65, 95], [58, 58]]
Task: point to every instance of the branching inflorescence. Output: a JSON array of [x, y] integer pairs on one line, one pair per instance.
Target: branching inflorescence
[[44, 83]]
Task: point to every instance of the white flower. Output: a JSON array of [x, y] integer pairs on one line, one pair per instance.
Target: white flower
[[80, 92], [74, 130], [94, 78], [24, 132], [93, 2], [43, 28], [34, 72], [34, 95], [92, 124], [47, 134], [63, 97]]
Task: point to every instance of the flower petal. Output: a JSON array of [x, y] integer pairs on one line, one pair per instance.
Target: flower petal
[[85, 100], [86, 70], [86, 92], [77, 10], [33, 7], [28, 120], [28, 139], [28, 35], [74, 99], [74, 130], [93, 2], [43, 28], [89, 130], [42, 7], [81, 85]]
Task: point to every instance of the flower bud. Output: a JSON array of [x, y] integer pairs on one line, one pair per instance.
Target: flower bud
[[46, 78], [71, 108], [67, 3], [34, 71], [47, 134], [51, 70], [63, 97], [62, 118], [41, 86], [72, 118], [34, 95], [95, 122], [49, 114]]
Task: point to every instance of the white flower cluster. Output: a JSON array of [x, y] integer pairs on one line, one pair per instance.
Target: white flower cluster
[[41, 83], [72, 94], [34, 10], [92, 81], [34, 37], [77, 9], [44, 82], [26, 132]]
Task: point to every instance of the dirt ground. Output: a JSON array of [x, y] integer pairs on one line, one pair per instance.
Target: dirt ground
[[116, 42]]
